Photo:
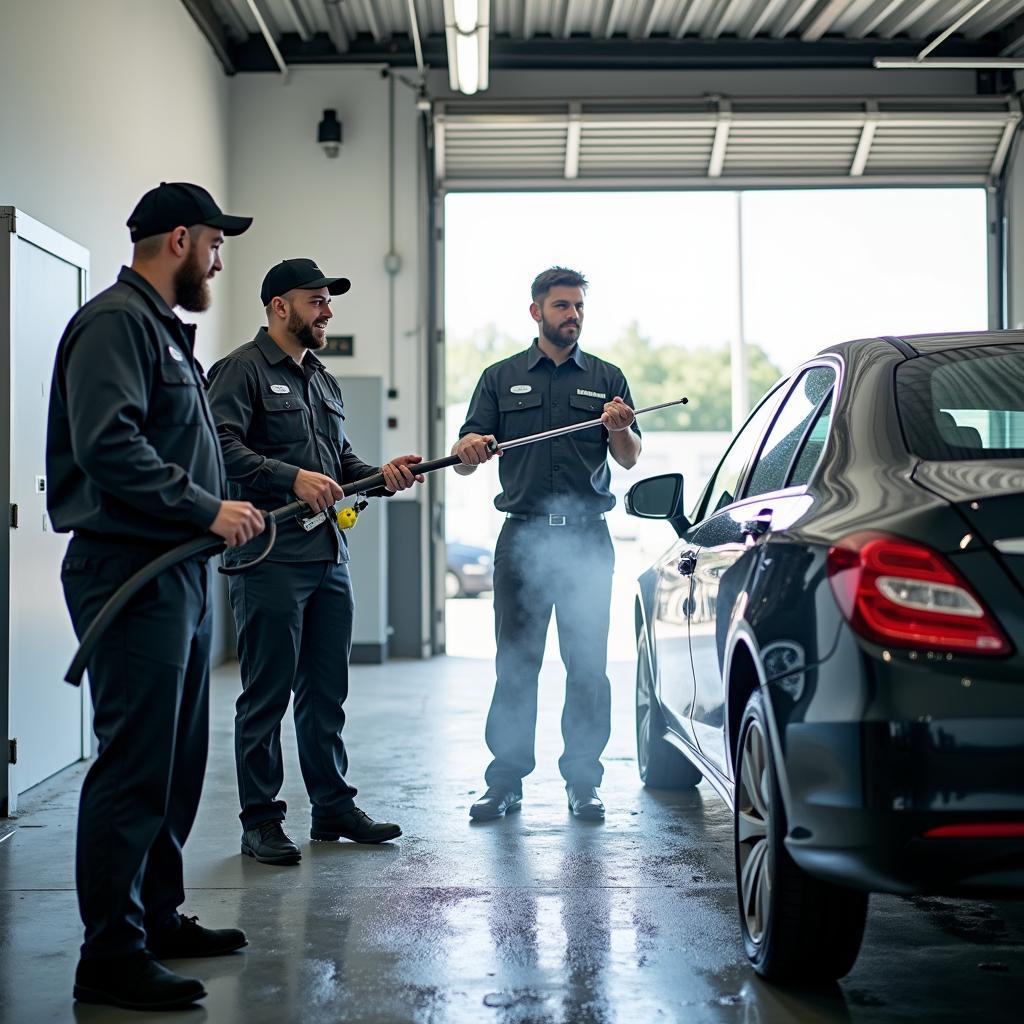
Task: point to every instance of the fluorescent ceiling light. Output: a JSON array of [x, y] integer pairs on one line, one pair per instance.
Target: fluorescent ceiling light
[[467, 33], [954, 63]]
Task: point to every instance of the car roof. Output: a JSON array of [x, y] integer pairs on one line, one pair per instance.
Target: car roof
[[910, 345]]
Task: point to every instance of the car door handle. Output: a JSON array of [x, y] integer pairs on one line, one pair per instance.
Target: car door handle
[[687, 563], [758, 526]]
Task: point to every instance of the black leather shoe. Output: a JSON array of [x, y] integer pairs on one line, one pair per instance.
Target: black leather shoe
[[269, 845], [187, 938], [136, 982], [495, 803], [356, 825], [584, 802]]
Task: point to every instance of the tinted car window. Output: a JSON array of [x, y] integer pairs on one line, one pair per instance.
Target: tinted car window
[[964, 404], [796, 413], [813, 445], [721, 491]]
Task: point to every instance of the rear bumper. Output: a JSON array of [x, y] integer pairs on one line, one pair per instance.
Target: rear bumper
[[864, 801]]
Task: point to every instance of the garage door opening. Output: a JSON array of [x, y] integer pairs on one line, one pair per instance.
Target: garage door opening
[[709, 294]]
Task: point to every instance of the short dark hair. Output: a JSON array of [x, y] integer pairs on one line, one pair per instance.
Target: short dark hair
[[556, 277]]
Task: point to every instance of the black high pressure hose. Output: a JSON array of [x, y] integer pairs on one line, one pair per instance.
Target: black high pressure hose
[[209, 545]]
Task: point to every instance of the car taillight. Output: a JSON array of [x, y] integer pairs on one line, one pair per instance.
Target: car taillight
[[901, 593]]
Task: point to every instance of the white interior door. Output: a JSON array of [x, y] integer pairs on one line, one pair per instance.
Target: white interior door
[[47, 716]]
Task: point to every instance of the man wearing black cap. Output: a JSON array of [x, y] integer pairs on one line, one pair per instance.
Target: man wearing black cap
[[281, 421], [134, 469]]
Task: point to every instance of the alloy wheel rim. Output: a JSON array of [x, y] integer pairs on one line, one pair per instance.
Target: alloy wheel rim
[[754, 860]]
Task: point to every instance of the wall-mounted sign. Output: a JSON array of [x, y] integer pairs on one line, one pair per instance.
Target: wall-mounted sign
[[339, 345]]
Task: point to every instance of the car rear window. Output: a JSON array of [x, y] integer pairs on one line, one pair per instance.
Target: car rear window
[[964, 403]]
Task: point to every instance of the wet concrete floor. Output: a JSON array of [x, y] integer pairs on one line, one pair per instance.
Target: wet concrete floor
[[537, 918]]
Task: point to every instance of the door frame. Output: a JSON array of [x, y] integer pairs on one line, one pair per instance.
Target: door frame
[[14, 226]]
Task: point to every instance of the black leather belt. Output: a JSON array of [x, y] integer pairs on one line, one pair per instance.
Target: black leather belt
[[552, 519]]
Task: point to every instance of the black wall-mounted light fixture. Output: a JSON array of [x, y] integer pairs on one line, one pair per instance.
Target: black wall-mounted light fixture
[[328, 133]]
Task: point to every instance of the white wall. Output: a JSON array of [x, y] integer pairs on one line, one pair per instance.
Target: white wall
[[100, 102], [336, 211]]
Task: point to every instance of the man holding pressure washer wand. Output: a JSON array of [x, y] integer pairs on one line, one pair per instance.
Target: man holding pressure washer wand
[[554, 551], [280, 418]]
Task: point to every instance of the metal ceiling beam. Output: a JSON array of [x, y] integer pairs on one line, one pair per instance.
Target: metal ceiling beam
[[872, 18], [373, 20], [758, 18], [979, 6], [900, 21], [941, 16], [543, 52], [336, 30], [529, 18], [1012, 39], [720, 18], [825, 19], [643, 17], [794, 14], [867, 136], [228, 13], [414, 34], [998, 15], [689, 17], [268, 36], [657, 12], [719, 147], [302, 27], [205, 17], [562, 20]]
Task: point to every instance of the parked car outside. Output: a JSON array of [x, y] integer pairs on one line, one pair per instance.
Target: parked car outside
[[470, 570], [834, 641]]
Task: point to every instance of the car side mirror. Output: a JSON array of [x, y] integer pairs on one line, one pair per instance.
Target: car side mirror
[[658, 497]]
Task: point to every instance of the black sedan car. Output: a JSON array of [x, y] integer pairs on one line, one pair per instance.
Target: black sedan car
[[834, 641]]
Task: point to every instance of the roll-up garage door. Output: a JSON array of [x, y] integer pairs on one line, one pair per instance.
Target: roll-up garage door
[[719, 142]]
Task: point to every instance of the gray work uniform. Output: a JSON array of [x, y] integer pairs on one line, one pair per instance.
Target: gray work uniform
[[134, 468], [293, 612], [553, 552]]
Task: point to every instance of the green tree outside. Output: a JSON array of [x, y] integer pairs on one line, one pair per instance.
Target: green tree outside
[[655, 374]]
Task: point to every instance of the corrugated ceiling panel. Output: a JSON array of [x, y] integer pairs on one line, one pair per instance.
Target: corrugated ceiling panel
[[641, 19]]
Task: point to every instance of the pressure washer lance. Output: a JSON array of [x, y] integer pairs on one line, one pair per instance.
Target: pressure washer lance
[[211, 545]]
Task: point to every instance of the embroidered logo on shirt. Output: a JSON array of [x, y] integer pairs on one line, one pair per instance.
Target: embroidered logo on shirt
[[520, 389], [590, 394], [175, 354], [280, 389]]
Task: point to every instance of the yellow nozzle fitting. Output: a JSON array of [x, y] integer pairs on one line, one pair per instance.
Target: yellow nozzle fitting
[[347, 518]]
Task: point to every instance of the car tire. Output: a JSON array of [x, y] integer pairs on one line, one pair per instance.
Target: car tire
[[661, 765], [795, 928], [452, 584]]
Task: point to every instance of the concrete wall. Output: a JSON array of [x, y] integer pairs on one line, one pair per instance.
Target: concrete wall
[[102, 101]]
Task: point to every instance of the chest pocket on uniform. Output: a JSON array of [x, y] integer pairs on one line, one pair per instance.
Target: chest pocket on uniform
[[284, 419], [520, 415], [176, 401], [583, 408]]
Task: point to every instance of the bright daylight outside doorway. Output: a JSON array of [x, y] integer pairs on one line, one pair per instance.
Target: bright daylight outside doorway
[[675, 278]]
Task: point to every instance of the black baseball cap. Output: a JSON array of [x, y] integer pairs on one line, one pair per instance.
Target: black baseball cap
[[289, 274], [177, 203]]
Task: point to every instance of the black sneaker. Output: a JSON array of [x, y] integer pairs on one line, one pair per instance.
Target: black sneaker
[[188, 938], [135, 982], [269, 845], [356, 825]]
